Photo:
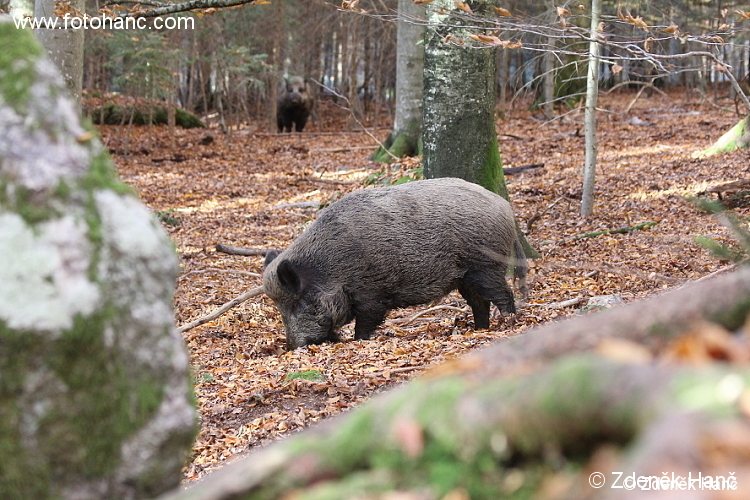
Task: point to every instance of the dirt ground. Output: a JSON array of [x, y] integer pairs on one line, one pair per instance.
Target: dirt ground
[[259, 190]]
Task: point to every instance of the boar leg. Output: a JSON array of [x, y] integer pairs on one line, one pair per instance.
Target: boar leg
[[480, 307], [366, 322], [300, 123], [490, 284]]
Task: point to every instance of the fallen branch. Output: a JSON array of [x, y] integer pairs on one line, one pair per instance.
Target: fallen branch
[[216, 270], [620, 230], [513, 400], [521, 168], [319, 180], [406, 321], [559, 305], [299, 204], [343, 149], [302, 135], [221, 310], [247, 252]]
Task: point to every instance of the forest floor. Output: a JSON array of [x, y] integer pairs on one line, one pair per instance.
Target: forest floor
[[256, 189]]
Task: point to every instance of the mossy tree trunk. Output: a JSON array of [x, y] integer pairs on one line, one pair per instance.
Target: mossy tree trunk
[[523, 408], [407, 125], [738, 137], [458, 129], [95, 395], [459, 101]]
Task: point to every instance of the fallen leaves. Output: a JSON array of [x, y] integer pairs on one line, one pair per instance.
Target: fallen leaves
[[259, 191]]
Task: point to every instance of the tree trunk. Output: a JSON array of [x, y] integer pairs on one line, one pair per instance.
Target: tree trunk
[[95, 400], [458, 127], [407, 125], [520, 405], [592, 92], [459, 103], [64, 46]]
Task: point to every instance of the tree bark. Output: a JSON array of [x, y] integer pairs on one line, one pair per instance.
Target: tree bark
[[95, 400], [507, 407], [407, 125], [64, 46], [592, 92], [459, 102]]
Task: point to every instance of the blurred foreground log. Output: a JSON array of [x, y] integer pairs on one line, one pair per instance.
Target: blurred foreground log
[[531, 411]]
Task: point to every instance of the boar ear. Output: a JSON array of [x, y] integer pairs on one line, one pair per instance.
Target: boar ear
[[289, 277], [270, 255]]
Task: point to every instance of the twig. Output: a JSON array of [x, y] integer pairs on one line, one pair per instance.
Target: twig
[[340, 150], [217, 270], [521, 168], [221, 310], [310, 178], [299, 204], [354, 116], [619, 230], [723, 270], [559, 305], [406, 321], [247, 252], [541, 214]]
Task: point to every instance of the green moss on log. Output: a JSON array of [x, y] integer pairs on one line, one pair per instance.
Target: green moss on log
[[114, 114], [738, 137]]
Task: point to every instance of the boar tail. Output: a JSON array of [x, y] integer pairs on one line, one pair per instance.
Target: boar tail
[[521, 268]]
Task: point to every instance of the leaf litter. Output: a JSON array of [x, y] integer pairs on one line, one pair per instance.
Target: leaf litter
[[260, 190]]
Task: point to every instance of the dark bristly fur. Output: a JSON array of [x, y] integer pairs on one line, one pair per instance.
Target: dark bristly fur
[[294, 105], [379, 249]]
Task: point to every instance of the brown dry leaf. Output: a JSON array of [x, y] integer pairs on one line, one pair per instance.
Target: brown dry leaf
[[705, 343], [457, 494], [744, 14], [624, 351], [502, 12], [648, 44], [486, 39], [409, 436], [453, 39], [422, 2], [616, 68], [349, 4], [462, 6], [224, 191], [672, 29], [562, 12]]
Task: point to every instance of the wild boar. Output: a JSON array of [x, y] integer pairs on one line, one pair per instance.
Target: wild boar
[[378, 249], [294, 105]]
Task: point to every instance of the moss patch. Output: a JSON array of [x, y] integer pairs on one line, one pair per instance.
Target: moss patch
[[28, 205], [107, 402], [490, 175], [15, 474], [17, 64]]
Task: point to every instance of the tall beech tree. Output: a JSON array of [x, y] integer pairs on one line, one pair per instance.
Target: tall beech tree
[[407, 124]]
